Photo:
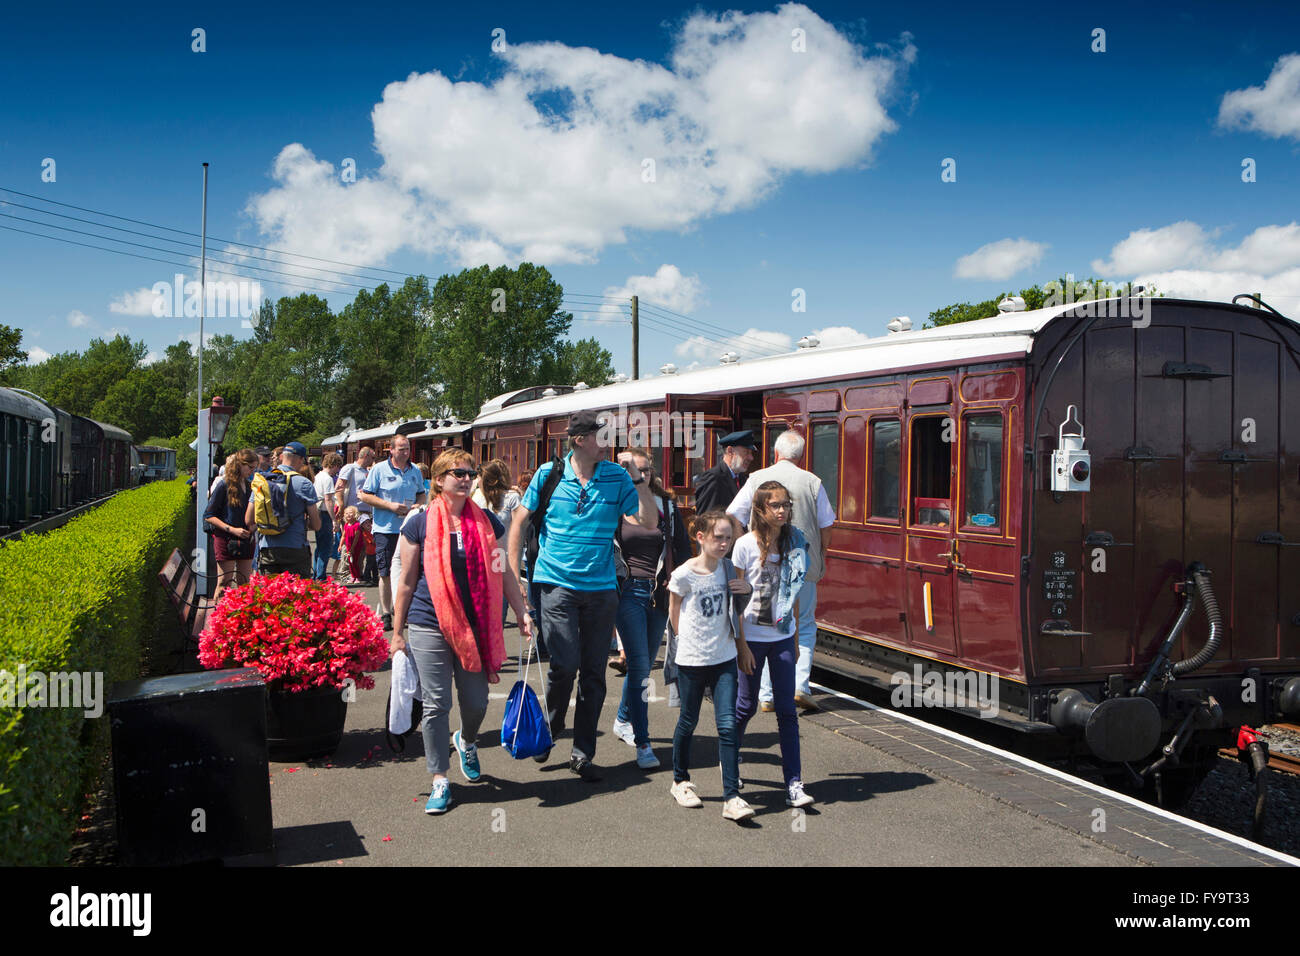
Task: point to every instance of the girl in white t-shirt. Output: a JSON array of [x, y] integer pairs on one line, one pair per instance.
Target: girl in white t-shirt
[[710, 647], [774, 557]]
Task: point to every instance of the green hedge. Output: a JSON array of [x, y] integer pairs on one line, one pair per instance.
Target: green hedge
[[82, 598]]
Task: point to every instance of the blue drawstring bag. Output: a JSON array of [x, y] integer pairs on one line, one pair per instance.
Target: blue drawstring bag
[[525, 731]]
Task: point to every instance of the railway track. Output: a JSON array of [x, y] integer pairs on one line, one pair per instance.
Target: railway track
[[1283, 747]]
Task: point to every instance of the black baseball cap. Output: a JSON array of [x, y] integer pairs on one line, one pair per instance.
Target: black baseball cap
[[585, 422], [261, 450], [743, 439]]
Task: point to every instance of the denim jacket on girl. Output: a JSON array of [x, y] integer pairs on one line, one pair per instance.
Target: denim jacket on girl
[[794, 568]]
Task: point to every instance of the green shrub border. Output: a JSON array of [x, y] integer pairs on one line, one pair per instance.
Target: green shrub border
[[85, 598]]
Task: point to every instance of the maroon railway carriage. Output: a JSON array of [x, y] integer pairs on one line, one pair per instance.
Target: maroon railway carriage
[[1146, 593]]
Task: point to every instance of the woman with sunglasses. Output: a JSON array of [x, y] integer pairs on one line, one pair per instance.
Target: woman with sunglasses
[[450, 593], [774, 556], [651, 554]]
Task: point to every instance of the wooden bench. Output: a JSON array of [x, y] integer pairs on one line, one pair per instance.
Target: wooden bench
[[181, 584]]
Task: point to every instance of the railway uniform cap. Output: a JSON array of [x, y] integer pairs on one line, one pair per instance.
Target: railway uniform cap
[[585, 422], [297, 448], [743, 439]]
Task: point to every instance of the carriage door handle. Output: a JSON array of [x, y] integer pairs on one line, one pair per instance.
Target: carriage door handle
[[952, 556]]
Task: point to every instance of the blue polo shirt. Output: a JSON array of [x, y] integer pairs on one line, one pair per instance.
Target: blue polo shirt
[[576, 550], [390, 484]]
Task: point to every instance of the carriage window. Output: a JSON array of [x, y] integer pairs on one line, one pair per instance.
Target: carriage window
[[826, 459], [774, 431], [931, 470], [884, 468], [532, 456], [983, 481]]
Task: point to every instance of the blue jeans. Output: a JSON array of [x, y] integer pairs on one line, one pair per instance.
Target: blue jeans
[[780, 655], [578, 625], [324, 546], [691, 683], [641, 625], [807, 625]]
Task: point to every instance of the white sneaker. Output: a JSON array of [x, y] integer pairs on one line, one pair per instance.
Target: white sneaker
[[737, 809], [623, 731], [795, 795], [685, 795], [645, 758]]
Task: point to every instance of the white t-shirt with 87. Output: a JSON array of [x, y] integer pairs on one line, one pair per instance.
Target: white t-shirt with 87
[[704, 636]]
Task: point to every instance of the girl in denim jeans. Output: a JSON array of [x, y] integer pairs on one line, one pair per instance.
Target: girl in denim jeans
[[775, 558], [711, 649], [650, 556]]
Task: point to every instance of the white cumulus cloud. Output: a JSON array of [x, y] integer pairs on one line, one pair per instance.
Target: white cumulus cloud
[[137, 302], [36, 355], [1272, 109], [1145, 250], [1182, 260], [667, 288], [78, 319], [570, 148], [1000, 260], [752, 343]]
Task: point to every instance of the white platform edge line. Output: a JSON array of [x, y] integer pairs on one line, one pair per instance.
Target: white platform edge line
[[1050, 771]]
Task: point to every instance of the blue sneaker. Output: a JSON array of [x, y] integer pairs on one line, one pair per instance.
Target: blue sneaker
[[439, 798], [468, 758]]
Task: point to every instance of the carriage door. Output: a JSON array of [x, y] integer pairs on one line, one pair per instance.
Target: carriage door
[[931, 552]]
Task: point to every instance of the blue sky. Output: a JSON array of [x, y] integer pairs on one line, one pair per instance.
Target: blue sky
[[775, 168]]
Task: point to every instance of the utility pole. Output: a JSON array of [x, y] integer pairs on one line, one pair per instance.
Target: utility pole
[[203, 462], [636, 340]]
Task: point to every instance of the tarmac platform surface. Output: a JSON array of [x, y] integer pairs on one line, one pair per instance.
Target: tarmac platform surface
[[365, 805]]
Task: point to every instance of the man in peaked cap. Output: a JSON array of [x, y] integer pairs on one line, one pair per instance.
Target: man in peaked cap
[[717, 487]]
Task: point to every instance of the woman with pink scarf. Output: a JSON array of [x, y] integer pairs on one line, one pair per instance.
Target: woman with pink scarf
[[450, 594]]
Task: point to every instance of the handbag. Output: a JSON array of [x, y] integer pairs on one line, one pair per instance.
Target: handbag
[[525, 731]]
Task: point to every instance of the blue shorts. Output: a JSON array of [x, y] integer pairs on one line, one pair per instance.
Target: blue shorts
[[385, 548]]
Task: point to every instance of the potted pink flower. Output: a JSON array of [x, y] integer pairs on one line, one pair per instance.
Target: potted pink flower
[[312, 642]]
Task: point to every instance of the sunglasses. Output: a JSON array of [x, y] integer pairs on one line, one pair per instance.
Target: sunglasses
[[582, 498], [461, 472]]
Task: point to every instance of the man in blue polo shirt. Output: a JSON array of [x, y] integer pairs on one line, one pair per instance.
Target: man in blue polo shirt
[[392, 488], [575, 575]]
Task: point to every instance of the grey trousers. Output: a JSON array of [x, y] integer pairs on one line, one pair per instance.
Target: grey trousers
[[437, 666]]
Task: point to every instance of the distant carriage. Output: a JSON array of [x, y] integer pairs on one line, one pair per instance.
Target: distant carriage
[[976, 535]]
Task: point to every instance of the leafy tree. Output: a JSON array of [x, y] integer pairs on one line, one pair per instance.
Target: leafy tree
[[1058, 290], [275, 423], [89, 376], [11, 353], [492, 330], [573, 362], [145, 402]]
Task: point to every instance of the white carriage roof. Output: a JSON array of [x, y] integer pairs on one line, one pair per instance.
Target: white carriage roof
[[386, 430], [1011, 333], [453, 429], [14, 402]]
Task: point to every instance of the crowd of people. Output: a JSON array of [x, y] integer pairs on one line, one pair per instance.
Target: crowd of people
[[611, 556]]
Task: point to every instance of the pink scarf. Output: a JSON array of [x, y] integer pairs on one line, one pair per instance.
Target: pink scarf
[[483, 651]]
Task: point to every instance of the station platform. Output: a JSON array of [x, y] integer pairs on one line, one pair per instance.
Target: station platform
[[889, 793]]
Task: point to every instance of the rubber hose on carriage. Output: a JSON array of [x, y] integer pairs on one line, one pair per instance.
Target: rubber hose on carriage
[[1211, 605]]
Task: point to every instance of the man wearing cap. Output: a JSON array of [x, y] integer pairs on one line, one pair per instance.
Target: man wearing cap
[[575, 575], [288, 550], [392, 489], [812, 514], [717, 487]]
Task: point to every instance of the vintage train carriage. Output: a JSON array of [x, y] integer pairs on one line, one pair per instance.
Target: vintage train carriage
[[158, 463], [953, 553], [29, 459]]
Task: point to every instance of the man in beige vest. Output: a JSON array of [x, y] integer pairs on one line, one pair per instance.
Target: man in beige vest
[[813, 516]]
